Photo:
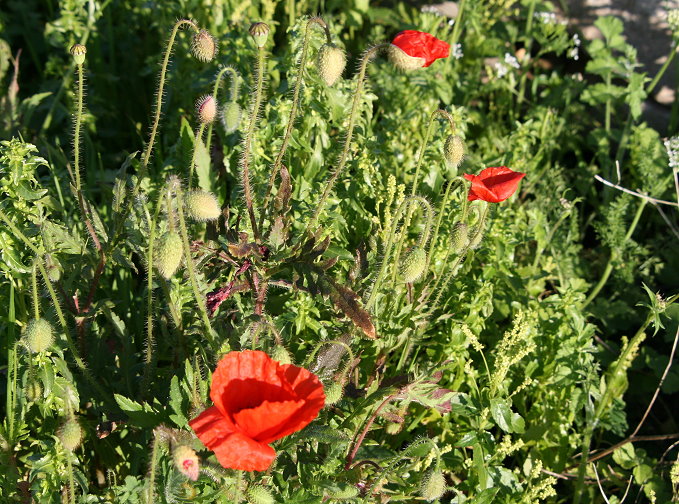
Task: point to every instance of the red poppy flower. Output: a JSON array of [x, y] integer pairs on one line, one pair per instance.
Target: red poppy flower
[[413, 49], [494, 184], [257, 401]]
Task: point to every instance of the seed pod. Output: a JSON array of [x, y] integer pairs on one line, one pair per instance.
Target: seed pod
[[433, 485], [33, 390], [330, 63], [453, 151], [333, 393], [231, 114], [281, 354], [53, 268], [475, 240], [78, 52], [459, 237], [413, 265], [204, 46], [202, 206], [186, 461], [38, 335], [169, 254], [259, 33], [70, 434], [206, 109], [259, 495]]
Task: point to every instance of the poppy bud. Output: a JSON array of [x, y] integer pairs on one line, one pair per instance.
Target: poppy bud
[[453, 150], [186, 461], [333, 393], [459, 237], [206, 108], [204, 46], [78, 52], [413, 264], [202, 206], [231, 113], [70, 434], [169, 254], [475, 240], [38, 335], [33, 390], [433, 485], [53, 268], [330, 63], [281, 354], [259, 495], [259, 33]]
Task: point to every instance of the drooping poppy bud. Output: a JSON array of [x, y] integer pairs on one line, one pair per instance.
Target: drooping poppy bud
[[78, 52], [494, 184], [202, 206], [330, 63], [259, 33], [169, 254], [204, 46], [206, 108], [70, 434], [333, 393], [453, 150], [231, 114], [433, 485], [413, 265], [413, 49], [38, 335], [459, 237]]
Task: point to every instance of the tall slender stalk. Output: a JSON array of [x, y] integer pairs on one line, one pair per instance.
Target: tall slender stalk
[[247, 141], [367, 58], [198, 138], [293, 111], [233, 95]]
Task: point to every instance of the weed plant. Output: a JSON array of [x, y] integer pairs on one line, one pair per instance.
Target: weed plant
[[178, 192]]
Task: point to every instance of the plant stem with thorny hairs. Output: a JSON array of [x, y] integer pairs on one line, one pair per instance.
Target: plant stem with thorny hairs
[[232, 98], [367, 58], [247, 142], [198, 138], [293, 111]]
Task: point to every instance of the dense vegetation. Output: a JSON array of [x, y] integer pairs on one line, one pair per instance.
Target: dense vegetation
[[470, 351]]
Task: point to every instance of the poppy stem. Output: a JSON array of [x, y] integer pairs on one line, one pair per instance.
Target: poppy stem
[[293, 111], [367, 58], [197, 138], [358, 440], [233, 96], [444, 202], [155, 446]]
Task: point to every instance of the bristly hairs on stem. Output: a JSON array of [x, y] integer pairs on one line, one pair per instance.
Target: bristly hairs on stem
[[368, 56], [316, 20], [233, 95]]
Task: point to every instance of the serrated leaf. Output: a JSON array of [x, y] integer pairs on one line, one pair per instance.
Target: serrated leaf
[[347, 301]]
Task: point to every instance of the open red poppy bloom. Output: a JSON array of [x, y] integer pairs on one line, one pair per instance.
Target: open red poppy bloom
[[413, 49], [494, 184], [257, 401]]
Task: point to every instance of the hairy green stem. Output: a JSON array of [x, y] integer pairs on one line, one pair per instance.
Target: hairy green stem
[[609, 265], [189, 264], [367, 58], [424, 236], [34, 290], [441, 213], [155, 448], [232, 98], [198, 138], [248, 140]]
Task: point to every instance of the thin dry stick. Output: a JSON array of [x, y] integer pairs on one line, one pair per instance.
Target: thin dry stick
[[657, 390], [634, 193], [598, 482]]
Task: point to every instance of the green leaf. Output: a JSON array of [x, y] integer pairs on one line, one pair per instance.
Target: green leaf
[[139, 415], [206, 179], [507, 420]]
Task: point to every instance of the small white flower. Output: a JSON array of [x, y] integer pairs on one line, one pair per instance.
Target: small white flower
[[457, 51], [451, 22], [511, 61], [574, 53], [672, 147], [501, 69], [546, 17]]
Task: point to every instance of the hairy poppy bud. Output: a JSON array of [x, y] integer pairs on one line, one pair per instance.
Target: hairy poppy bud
[[330, 63], [33, 390], [259, 495], [459, 237], [433, 485], [204, 46], [259, 33], [231, 113], [38, 335], [169, 254], [186, 461], [333, 393], [453, 150], [206, 108], [78, 52], [202, 206], [53, 268], [281, 354], [70, 434], [413, 264], [475, 240]]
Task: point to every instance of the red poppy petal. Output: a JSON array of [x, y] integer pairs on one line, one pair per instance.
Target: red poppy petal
[[245, 379], [421, 45], [240, 452], [212, 427], [263, 422], [494, 184]]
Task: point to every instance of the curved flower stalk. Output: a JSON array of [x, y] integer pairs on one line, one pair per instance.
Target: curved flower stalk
[[233, 95]]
